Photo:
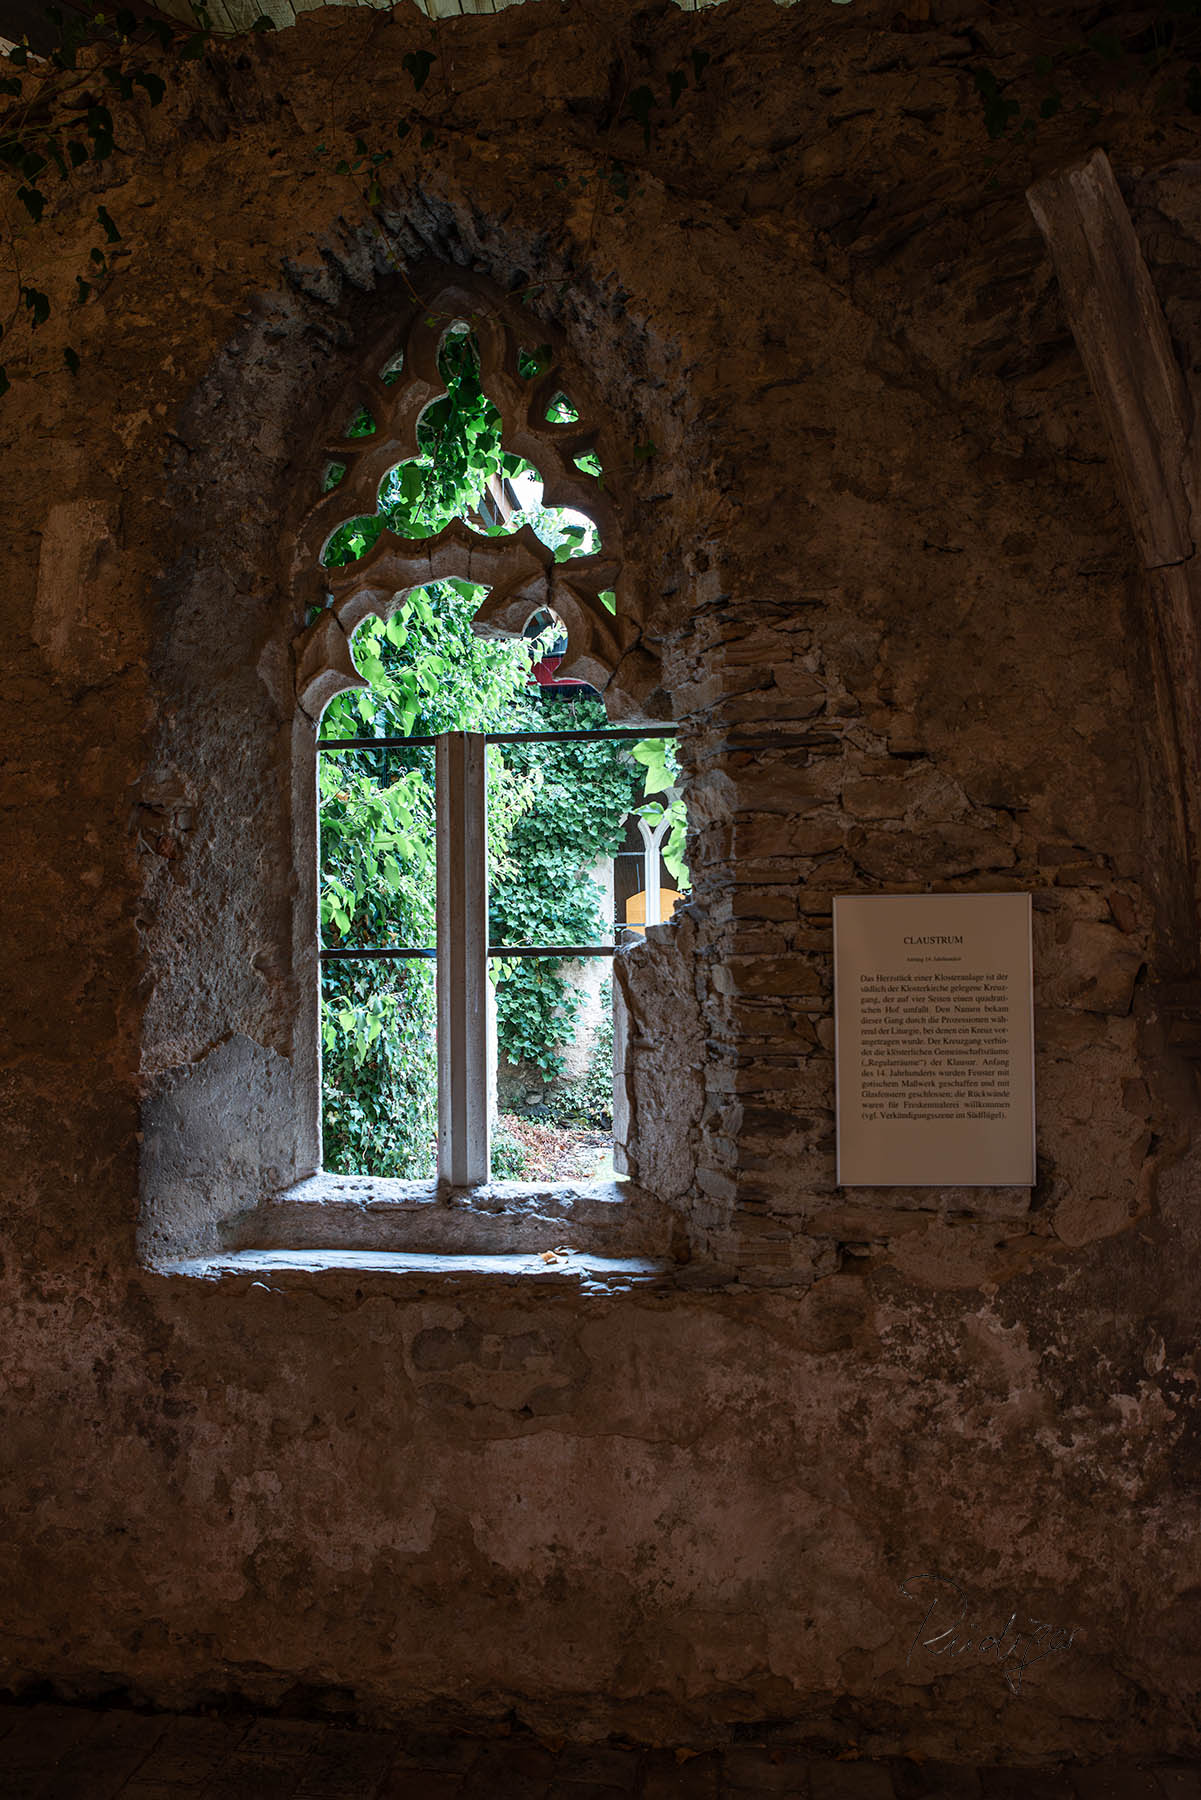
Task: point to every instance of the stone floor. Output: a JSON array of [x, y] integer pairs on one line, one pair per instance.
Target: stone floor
[[72, 1753]]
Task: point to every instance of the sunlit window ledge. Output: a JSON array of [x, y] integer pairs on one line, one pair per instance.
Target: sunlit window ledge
[[504, 1220], [419, 1272]]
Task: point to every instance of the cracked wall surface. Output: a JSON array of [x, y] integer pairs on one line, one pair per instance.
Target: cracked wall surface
[[880, 555]]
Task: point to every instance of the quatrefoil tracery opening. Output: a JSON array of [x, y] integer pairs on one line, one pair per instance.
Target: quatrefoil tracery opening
[[539, 425]]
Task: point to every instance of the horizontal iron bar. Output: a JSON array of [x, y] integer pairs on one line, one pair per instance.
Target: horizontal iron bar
[[554, 737], [371, 955], [552, 950], [572, 950], [411, 743], [504, 737]]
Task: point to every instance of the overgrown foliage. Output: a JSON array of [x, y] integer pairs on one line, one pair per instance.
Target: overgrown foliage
[[554, 811], [584, 793], [429, 673], [589, 1101]]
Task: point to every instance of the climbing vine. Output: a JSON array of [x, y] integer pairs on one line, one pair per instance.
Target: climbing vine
[[429, 673], [584, 794], [1076, 71], [554, 810]]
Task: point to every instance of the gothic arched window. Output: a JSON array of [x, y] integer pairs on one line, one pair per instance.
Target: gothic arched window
[[388, 443]]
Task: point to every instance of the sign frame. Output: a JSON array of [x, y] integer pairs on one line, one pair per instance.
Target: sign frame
[[934, 1040]]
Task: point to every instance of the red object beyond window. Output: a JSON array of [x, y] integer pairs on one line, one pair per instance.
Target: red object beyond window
[[544, 674]]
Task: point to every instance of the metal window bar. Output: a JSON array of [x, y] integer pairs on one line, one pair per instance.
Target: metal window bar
[[381, 952], [503, 737]]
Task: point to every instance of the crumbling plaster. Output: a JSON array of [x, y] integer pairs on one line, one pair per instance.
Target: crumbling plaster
[[879, 548]]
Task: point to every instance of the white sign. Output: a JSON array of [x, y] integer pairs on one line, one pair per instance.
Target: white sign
[[934, 1030]]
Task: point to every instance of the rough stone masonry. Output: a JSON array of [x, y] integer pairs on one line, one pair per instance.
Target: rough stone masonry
[[880, 554]]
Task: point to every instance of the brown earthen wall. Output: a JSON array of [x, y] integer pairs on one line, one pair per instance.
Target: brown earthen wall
[[879, 551]]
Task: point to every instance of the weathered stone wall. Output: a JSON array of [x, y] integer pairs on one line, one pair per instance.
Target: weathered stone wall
[[879, 551]]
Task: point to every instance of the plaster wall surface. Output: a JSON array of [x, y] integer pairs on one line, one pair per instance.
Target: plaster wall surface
[[879, 553]]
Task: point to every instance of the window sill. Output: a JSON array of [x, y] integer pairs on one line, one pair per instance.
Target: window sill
[[419, 1272], [503, 1222]]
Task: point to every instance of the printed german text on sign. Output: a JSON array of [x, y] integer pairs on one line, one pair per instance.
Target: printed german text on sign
[[933, 1009]]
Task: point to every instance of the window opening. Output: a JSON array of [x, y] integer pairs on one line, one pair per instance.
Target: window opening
[[446, 803], [368, 985], [377, 919]]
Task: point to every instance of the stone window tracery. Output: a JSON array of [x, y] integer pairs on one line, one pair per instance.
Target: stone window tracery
[[519, 571]]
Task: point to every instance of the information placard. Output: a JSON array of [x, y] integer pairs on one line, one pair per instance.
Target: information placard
[[934, 1028]]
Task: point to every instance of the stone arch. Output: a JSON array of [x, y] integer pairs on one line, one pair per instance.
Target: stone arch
[[521, 574], [229, 1034]]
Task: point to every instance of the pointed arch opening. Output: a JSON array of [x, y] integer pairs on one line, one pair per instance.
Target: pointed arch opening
[[468, 481]]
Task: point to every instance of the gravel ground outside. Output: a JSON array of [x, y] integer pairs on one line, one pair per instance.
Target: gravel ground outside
[[560, 1152]]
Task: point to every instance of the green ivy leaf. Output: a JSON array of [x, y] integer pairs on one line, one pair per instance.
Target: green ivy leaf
[[38, 304], [116, 77], [639, 106], [618, 180], [418, 63], [1106, 44], [998, 111], [652, 753], [99, 126], [154, 85]]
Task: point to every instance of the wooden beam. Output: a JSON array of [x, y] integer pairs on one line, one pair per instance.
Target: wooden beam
[[1119, 327], [1148, 414]]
